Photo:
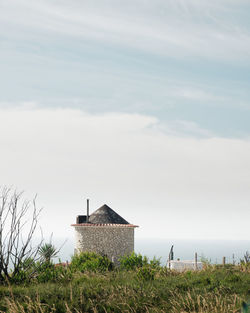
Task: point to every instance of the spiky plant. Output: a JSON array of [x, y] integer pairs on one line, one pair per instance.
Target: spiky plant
[[47, 252]]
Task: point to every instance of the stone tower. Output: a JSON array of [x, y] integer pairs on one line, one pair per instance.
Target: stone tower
[[104, 232]]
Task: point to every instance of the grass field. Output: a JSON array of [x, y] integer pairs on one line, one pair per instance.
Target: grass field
[[134, 288]]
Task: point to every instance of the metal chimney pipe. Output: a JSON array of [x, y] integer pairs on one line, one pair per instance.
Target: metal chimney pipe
[[87, 216]]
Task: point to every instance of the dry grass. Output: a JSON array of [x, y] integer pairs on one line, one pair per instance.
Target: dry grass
[[28, 306], [206, 303], [178, 303], [214, 290]]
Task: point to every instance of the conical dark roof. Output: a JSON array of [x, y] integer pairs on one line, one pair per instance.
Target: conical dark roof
[[105, 215]]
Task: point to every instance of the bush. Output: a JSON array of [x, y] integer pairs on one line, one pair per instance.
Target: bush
[[47, 272], [155, 263], [146, 273], [133, 261], [90, 261]]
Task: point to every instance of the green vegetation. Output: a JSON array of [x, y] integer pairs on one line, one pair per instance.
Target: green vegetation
[[90, 283], [47, 251], [30, 282]]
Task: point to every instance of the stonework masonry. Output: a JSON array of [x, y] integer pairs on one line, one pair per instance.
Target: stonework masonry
[[113, 241]]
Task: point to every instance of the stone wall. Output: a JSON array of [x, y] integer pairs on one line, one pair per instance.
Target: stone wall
[[113, 241]]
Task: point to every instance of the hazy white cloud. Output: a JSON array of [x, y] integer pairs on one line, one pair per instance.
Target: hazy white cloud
[[182, 128], [174, 28], [85, 54], [197, 94], [172, 186]]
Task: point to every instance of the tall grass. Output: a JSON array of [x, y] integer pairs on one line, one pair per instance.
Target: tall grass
[[178, 303], [145, 287], [213, 302]]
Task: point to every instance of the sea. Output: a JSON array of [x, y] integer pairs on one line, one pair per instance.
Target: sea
[[211, 251]]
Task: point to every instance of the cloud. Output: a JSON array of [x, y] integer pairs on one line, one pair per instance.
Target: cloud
[[182, 128], [172, 186], [170, 28], [179, 60]]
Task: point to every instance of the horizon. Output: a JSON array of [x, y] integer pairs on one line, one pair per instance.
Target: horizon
[[211, 250]]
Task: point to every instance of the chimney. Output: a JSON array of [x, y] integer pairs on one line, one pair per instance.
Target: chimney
[[87, 216]]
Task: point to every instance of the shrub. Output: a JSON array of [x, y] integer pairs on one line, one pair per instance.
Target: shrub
[[27, 271], [46, 272], [146, 273], [155, 263], [133, 261], [90, 261]]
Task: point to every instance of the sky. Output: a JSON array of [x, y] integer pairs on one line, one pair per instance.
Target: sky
[[142, 105]]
